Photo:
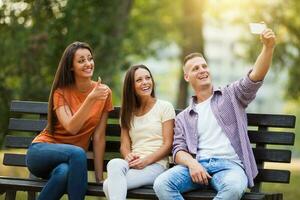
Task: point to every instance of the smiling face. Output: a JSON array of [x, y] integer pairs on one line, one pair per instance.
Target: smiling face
[[196, 72], [83, 64], [143, 83]]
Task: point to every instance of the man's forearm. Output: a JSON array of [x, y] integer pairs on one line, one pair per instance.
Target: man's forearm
[[262, 64], [184, 158]]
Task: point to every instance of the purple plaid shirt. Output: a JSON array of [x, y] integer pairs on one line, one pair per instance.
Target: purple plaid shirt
[[228, 105]]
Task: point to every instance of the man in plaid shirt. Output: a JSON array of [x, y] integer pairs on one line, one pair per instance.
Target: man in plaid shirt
[[211, 145]]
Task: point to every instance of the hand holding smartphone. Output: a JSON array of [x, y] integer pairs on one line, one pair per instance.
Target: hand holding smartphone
[[257, 28]]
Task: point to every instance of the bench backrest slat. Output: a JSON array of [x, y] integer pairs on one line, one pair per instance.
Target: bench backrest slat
[[273, 175], [27, 125], [267, 155], [268, 120], [271, 137]]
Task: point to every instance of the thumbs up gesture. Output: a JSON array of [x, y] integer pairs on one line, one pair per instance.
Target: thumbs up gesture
[[100, 92]]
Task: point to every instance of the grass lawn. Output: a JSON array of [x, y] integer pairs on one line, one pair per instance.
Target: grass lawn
[[291, 191]]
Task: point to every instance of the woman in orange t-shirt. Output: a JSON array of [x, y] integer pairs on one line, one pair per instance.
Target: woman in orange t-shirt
[[78, 111]]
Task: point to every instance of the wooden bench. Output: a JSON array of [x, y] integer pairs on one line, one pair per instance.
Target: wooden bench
[[29, 118]]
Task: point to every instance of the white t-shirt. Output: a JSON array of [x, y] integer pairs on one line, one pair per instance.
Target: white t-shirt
[[212, 141], [146, 131]]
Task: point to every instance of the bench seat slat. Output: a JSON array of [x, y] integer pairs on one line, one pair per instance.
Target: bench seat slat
[[36, 185], [265, 175]]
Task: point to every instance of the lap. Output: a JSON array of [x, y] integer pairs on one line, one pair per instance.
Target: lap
[[140, 177], [42, 158], [225, 172], [179, 177]]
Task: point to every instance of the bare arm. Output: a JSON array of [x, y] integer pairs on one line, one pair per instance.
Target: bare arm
[[125, 148], [73, 123], [164, 150], [197, 172], [99, 147], [264, 60]]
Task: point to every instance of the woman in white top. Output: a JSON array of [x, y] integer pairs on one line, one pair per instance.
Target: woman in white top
[[146, 136]]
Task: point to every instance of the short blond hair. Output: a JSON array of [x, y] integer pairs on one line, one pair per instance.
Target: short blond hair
[[190, 56]]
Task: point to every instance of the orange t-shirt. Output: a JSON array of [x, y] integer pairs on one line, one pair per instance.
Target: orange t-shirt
[[73, 98]]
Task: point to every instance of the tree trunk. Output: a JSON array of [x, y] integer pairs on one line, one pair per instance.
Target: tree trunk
[[192, 40]]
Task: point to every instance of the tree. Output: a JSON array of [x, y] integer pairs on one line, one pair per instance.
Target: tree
[[192, 40]]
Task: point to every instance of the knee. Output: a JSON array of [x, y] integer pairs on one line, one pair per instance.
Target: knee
[[161, 185], [79, 154], [60, 173], [235, 190], [117, 164]]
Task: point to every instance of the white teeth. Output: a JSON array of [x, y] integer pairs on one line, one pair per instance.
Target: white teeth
[[145, 89]]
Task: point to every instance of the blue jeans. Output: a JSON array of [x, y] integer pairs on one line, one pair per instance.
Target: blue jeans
[[228, 179], [64, 165]]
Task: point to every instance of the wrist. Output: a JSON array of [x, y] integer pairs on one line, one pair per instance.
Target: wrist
[[192, 163], [268, 47]]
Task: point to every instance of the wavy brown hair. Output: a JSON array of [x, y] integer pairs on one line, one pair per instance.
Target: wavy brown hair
[[130, 100], [64, 77]]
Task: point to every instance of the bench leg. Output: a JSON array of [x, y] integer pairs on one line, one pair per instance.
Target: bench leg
[[31, 195], [10, 195]]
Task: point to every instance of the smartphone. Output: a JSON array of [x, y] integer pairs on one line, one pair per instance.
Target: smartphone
[[257, 28]]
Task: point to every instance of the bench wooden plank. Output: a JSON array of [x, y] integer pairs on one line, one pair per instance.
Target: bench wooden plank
[[265, 175], [284, 121], [272, 155], [36, 185], [259, 137], [261, 154], [33, 107], [271, 137], [27, 125], [13, 141], [273, 176], [19, 160], [280, 121], [37, 125]]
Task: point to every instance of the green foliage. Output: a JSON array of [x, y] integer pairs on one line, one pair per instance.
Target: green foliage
[[33, 35], [282, 17]]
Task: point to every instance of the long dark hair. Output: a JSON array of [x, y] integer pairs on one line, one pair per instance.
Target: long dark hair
[[64, 77], [130, 100]]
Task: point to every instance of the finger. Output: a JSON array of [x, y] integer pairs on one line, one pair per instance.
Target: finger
[[99, 80], [204, 179], [134, 162], [268, 33], [194, 179], [208, 176]]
